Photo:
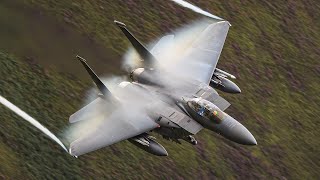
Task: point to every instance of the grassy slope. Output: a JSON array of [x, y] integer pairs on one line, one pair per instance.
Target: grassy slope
[[44, 39], [272, 47]]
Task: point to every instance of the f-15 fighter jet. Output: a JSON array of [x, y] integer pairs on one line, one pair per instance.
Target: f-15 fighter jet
[[175, 102]]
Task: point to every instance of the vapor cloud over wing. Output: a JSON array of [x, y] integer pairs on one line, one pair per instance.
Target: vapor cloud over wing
[[96, 114]]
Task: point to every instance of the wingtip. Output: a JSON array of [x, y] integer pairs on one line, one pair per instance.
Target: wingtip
[[80, 58], [226, 22], [120, 24], [70, 152]]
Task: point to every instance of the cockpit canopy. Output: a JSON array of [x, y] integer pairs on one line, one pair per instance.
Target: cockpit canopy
[[207, 110]]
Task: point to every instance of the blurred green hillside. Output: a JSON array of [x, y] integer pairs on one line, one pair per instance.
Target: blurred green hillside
[[273, 48]]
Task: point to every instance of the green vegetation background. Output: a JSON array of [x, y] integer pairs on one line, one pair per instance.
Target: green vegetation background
[[272, 47]]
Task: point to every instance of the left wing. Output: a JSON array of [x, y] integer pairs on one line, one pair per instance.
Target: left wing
[[113, 129], [103, 129], [98, 107]]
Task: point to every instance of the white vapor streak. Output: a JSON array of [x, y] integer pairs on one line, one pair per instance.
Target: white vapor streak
[[196, 9], [31, 120]]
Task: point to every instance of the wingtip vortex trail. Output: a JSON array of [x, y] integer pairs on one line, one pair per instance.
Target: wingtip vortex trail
[[31, 120], [196, 9]]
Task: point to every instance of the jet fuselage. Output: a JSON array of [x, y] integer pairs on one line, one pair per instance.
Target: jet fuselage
[[194, 104]]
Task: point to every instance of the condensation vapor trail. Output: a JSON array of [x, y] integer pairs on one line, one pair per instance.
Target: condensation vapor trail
[[195, 8], [31, 120]]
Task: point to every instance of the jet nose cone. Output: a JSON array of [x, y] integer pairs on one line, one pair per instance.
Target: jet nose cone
[[241, 135], [236, 132], [237, 90]]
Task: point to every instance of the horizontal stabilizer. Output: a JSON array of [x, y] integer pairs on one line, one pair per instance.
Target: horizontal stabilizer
[[145, 54]]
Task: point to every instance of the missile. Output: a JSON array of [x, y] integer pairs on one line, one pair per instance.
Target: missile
[[148, 144], [219, 71], [224, 85], [220, 81]]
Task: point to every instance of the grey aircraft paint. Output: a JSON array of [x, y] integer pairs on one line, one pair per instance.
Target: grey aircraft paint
[[175, 105]]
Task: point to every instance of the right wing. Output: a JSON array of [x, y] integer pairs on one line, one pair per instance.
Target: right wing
[[115, 128], [163, 45], [200, 60]]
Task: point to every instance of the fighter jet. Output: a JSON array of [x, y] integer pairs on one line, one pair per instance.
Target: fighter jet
[[176, 102]]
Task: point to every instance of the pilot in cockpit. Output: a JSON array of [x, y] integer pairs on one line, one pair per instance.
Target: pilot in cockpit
[[201, 111], [207, 110]]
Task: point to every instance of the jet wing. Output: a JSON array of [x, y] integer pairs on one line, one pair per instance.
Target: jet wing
[[201, 58], [165, 43], [117, 127], [91, 111]]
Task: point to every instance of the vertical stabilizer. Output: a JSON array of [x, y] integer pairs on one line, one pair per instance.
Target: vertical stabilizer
[[101, 86], [145, 54]]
